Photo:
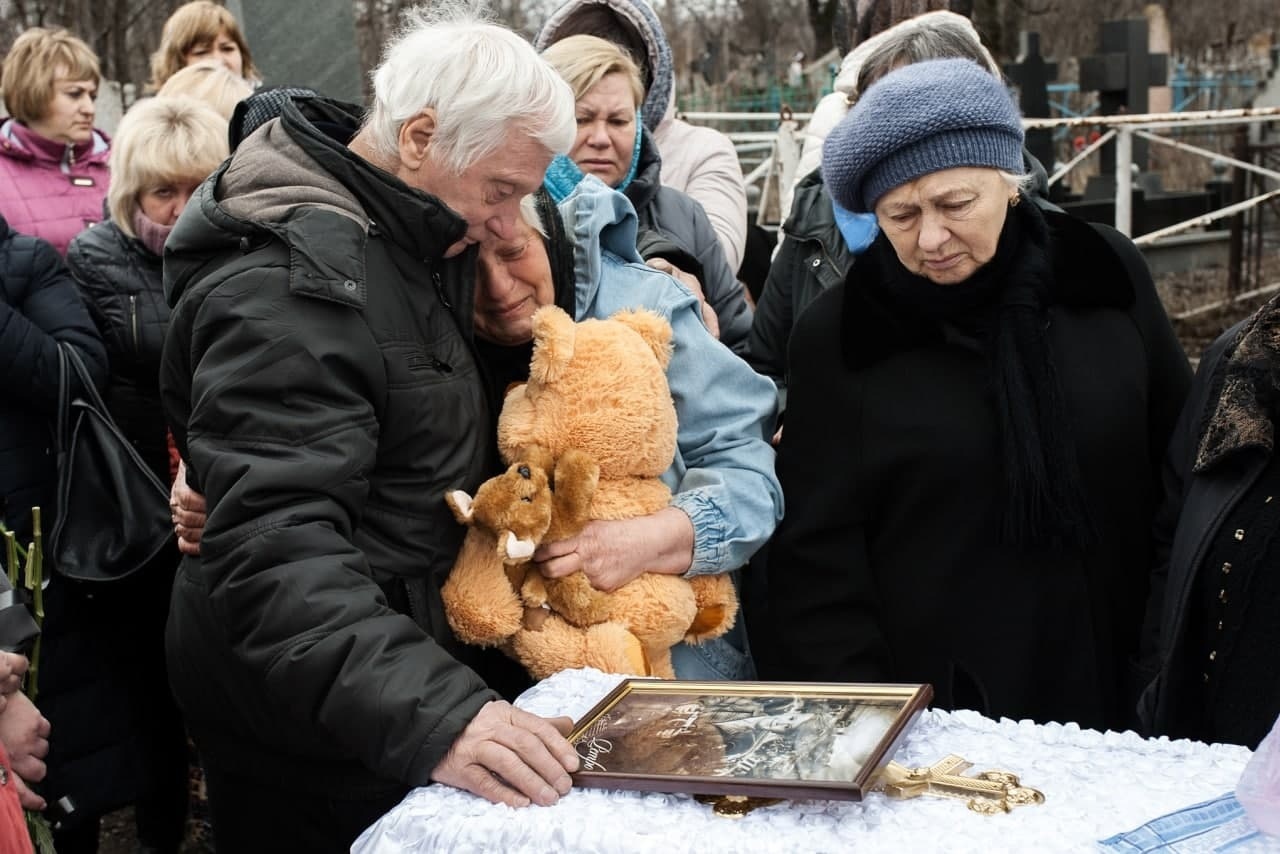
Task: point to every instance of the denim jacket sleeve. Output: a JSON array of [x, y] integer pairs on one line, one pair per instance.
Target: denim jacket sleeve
[[722, 476]]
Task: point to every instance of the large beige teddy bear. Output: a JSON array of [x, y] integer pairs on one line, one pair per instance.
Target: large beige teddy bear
[[587, 437]]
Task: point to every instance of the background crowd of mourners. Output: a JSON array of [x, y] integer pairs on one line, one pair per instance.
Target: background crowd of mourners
[[983, 419]]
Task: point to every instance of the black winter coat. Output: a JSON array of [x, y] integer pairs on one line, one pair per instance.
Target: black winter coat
[[680, 219], [1195, 507], [320, 383], [91, 758], [889, 565], [39, 306], [120, 280]]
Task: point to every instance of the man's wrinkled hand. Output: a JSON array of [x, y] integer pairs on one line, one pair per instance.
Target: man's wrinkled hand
[[13, 667], [25, 735], [509, 756], [189, 513], [613, 552]]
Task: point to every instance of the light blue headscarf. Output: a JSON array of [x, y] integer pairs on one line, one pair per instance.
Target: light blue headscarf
[[858, 229]]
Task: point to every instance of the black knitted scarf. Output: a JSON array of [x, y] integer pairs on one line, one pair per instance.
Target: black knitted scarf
[[1005, 304]]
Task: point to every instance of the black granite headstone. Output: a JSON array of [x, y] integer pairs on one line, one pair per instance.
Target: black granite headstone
[[1121, 73], [1031, 74]]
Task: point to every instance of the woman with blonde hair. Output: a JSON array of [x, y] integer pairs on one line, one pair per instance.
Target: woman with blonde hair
[[210, 82], [53, 162], [165, 147], [613, 144], [201, 31]]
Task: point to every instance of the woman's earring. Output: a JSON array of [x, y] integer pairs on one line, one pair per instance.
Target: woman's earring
[[1014, 199]]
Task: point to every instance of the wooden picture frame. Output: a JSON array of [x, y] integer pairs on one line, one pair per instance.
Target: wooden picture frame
[[761, 739]]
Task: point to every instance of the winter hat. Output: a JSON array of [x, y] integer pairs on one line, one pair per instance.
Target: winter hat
[[921, 118]]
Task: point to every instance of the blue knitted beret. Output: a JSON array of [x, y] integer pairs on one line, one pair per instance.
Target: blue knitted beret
[[919, 119]]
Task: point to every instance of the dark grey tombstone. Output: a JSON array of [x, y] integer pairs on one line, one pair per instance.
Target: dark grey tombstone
[[1031, 74], [1121, 72], [316, 49]]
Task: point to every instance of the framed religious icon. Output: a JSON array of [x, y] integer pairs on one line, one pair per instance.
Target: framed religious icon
[[762, 739]]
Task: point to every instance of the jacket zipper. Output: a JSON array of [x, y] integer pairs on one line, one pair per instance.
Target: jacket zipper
[[435, 277], [69, 159], [133, 323]]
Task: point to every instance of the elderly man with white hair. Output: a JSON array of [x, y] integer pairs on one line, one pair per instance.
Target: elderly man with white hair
[[321, 385]]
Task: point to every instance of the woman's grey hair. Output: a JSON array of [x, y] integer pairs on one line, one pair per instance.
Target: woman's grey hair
[[529, 214], [1018, 183], [479, 77], [933, 36]]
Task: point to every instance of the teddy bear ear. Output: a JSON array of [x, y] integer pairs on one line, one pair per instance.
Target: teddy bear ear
[[518, 549], [655, 331], [461, 505], [553, 337]]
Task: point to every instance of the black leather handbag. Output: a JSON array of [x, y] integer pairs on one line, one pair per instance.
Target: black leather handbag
[[113, 512]]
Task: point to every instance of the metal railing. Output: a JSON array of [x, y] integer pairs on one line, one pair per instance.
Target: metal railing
[[1124, 128], [780, 151]]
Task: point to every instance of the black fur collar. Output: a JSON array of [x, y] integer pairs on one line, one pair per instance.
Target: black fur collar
[[1240, 414]]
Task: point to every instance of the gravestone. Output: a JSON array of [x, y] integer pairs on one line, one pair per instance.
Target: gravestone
[[1121, 72], [317, 50], [1032, 75], [1159, 41]]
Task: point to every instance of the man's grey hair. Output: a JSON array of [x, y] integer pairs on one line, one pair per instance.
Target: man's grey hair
[[481, 79]]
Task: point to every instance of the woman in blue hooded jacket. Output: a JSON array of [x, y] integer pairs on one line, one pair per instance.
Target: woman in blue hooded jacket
[[726, 500]]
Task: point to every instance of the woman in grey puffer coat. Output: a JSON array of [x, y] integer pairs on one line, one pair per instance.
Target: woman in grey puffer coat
[[165, 147]]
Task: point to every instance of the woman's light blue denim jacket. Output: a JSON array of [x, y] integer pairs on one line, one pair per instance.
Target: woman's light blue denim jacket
[[722, 475]]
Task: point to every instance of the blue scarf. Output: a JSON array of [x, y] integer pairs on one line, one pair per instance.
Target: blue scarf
[[563, 174], [858, 229]]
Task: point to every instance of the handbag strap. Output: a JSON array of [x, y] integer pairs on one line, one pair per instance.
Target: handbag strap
[[64, 398], [87, 385]]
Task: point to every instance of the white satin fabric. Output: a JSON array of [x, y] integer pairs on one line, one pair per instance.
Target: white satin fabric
[[1095, 785]]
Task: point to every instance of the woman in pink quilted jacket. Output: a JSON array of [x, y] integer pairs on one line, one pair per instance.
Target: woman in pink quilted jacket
[[53, 162]]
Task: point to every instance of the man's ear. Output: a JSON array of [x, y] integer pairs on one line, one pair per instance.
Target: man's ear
[[415, 137]]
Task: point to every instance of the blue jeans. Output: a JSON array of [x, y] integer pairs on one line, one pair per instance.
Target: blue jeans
[[726, 657]]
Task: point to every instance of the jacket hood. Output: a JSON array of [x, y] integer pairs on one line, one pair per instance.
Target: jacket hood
[[301, 184], [599, 219], [21, 143], [632, 24]]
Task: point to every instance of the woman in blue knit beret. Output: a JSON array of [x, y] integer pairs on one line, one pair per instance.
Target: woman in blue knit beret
[[975, 423]]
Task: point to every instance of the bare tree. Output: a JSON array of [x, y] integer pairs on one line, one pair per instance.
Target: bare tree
[[123, 33], [822, 19]]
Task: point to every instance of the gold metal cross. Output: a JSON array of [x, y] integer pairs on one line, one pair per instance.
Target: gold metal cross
[[989, 792]]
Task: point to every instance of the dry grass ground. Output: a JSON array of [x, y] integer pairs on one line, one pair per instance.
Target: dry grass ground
[[1184, 292]]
